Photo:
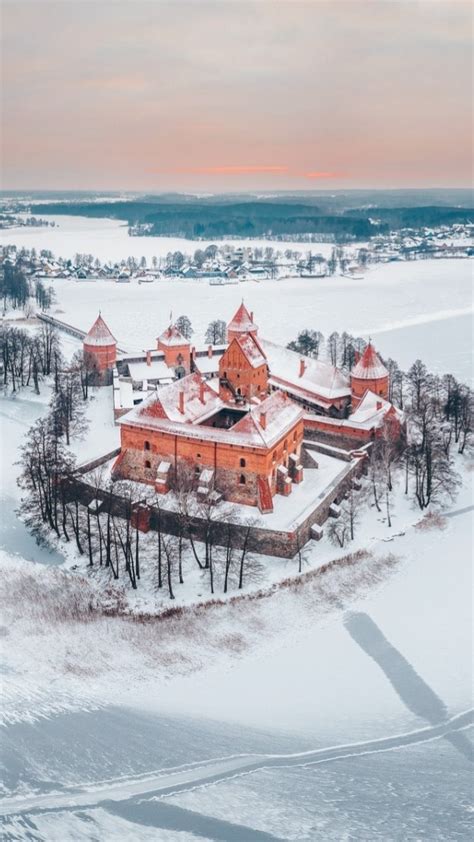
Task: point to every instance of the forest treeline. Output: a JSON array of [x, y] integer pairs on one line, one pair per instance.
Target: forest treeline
[[262, 218]]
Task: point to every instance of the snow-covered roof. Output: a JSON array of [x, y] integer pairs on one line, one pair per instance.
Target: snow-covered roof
[[207, 365], [370, 366], [99, 334], [198, 402], [270, 420], [242, 321], [319, 379], [370, 414], [160, 411], [251, 349], [372, 410], [172, 336], [157, 370]]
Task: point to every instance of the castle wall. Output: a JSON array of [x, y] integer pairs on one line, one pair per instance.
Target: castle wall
[[143, 450]]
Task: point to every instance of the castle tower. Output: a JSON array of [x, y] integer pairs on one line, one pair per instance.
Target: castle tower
[[241, 323], [176, 348], [100, 347], [369, 374]]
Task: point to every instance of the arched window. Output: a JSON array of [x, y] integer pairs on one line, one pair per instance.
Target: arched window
[[242, 463], [147, 463], [146, 446], [239, 391], [242, 479]]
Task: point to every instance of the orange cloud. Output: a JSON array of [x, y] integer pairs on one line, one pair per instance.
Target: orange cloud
[[323, 174], [228, 170]]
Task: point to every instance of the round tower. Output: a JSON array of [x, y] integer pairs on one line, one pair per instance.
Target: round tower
[[369, 374], [100, 346], [241, 323]]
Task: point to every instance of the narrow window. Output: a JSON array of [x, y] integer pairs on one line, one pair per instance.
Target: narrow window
[[147, 463], [147, 445], [242, 479], [242, 463]]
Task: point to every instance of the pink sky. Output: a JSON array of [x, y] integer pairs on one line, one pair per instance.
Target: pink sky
[[236, 94]]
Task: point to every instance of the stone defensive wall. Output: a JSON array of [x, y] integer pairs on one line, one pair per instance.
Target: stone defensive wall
[[283, 543]]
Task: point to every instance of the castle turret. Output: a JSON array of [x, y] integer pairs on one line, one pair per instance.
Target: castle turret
[[369, 374], [176, 348], [241, 323], [100, 347]]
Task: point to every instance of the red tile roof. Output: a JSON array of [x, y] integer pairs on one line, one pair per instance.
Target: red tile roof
[[99, 334], [173, 336], [370, 366], [242, 321]]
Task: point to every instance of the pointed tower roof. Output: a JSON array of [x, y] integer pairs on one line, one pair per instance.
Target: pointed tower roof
[[242, 321], [172, 336], [370, 366], [99, 334]]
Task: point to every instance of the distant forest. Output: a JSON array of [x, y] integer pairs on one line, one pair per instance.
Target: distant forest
[[210, 219]]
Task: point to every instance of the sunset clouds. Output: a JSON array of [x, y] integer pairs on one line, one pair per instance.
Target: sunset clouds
[[236, 95]]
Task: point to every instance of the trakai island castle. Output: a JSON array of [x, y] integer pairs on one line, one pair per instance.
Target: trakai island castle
[[235, 416]]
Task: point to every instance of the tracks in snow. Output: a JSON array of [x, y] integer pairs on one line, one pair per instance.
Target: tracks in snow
[[174, 781]]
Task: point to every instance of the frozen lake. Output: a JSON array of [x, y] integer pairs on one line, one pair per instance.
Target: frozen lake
[[412, 310], [108, 239], [420, 309]]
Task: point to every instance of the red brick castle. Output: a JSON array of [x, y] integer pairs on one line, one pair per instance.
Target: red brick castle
[[236, 416]]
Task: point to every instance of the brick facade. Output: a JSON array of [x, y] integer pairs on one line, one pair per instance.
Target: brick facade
[[236, 467]]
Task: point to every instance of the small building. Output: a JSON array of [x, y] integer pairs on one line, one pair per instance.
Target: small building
[[100, 349], [176, 349]]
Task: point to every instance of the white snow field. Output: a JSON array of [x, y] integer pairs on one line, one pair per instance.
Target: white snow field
[[418, 309], [340, 710], [108, 239]]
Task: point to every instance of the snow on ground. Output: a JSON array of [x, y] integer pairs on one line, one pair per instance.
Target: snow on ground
[[102, 435], [303, 639], [108, 239]]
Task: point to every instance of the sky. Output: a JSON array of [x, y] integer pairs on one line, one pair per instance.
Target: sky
[[233, 95]]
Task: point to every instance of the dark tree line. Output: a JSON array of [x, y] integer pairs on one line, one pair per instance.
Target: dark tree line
[[342, 350], [27, 358], [17, 291]]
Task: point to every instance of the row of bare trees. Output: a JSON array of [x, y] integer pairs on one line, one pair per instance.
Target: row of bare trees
[[27, 358], [106, 529]]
